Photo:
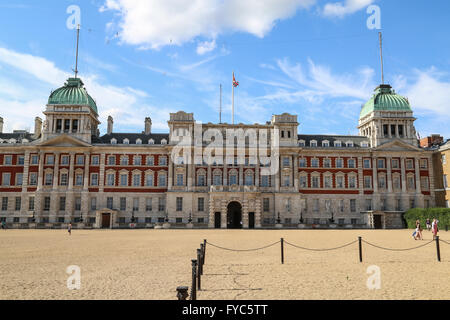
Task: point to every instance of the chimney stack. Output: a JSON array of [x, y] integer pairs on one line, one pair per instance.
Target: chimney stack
[[37, 127], [148, 125], [110, 125], [1, 125]]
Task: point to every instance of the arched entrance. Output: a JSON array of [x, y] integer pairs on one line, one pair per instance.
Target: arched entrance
[[234, 215]]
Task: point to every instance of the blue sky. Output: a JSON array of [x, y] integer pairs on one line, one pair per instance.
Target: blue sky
[[314, 58]]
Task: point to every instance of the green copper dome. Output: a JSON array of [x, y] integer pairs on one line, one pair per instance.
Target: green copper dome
[[73, 93], [385, 99]]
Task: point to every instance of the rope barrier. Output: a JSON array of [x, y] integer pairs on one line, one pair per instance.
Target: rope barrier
[[330, 249], [242, 250], [393, 249], [444, 241]]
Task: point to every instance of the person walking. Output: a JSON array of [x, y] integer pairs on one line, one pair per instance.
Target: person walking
[[428, 223], [69, 228], [434, 228], [418, 231]]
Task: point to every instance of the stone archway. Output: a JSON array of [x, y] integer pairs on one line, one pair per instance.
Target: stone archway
[[234, 215]]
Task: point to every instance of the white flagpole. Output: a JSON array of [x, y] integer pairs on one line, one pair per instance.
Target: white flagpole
[[232, 100]]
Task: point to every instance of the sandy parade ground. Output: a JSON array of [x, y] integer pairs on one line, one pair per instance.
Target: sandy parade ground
[[150, 264]]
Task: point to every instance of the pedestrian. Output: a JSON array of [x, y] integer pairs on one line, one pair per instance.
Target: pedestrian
[[434, 228], [69, 228], [428, 223], [418, 231], [3, 225]]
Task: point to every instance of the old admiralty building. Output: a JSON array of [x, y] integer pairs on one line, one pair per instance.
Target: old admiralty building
[[66, 171]]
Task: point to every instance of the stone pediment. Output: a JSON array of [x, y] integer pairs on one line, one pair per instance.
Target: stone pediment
[[64, 140], [397, 145]]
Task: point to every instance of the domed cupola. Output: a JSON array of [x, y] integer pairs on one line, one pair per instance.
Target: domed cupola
[[387, 116], [72, 93]]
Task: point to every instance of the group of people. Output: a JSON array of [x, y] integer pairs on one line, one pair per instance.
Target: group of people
[[433, 227]]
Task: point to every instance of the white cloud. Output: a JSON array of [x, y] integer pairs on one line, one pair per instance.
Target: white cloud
[[153, 23], [21, 101], [206, 46], [343, 8]]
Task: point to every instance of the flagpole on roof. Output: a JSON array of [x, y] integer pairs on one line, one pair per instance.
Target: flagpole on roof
[[232, 100]]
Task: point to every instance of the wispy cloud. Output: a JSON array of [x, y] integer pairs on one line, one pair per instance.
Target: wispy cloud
[[344, 8]]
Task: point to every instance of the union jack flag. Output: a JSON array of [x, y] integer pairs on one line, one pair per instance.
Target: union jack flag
[[235, 83]]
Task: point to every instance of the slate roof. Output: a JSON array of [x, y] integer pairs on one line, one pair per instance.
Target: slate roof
[[16, 135], [357, 140], [132, 137]]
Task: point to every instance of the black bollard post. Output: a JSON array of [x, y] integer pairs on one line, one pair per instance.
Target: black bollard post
[[182, 293], [360, 249], [202, 257], [194, 280], [204, 250], [199, 269], [438, 249], [282, 251]]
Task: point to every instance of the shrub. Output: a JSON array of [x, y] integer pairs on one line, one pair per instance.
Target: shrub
[[442, 214]]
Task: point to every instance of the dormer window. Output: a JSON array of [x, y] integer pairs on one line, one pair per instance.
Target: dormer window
[[364, 144], [163, 141], [349, 144], [126, 141], [301, 143], [325, 144], [138, 141], [113, 141], [151, 141], [313, 144], [338, 144]]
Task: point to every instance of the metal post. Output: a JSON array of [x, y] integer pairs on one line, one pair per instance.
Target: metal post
[[202, 262], [204, 250], [194, 280], [282, 251], [182, 293], [438, 249], [199, 272], [360, 249]]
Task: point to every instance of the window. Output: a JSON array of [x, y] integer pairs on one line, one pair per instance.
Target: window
[[150, 161], [148, 204], [8, 160], [315, 163], [327, 163], [33, 178], [20, 160], [382, 182], [286, 162], [93, 204], [109, 203], [179, 204], [316, 205], [367, 182], [163, 161], [338, 144], [6, 179], [350, 144], [201, 204], [340, 182], [302, 163], [135, 204], [64, 160], [315, 182], [444, 160], [110, 179], [124, 179], [327, 182], [162, 179], [34, 160], [409, 164], [303, 181], [111, 160], [266, 204], [19, 179], [62, 203], [94, 179], [325, 144], [124, 161], [248, 179], [79, 179], [233, 179], [286, 181], [95, 160], [395, 164], [353, 205], [354, 221], [201, 180], [46, 203], [4, 203], [423, 164], [161, 204], [381, 164], [137, 160], [445, 181], [412, 203], [77, 204], [424, 183], [341, 205], [123, 204], [80, 160], [265, 181], [339, 163], [137, 180], [313, 144], [50, 159], [18, 204], [149, 180], [351, 163], [48, 179], [369, 204], [352, 182], [366, 163], [396, 182], [180, 179], [126, 141], [64, 177], [30, 203], [301, 143], [411, 183]]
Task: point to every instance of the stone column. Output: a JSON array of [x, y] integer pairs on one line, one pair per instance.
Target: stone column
[[295, 175], [419, 195], [404, 200], [241, 175], [38, 195], [54, 203], [85, 192], [360, 165], [211, 221], [69, 195], [257, 169], [277, 176], [26, 167], [376, 196], [258, 213], [170, 174], [223, 214]]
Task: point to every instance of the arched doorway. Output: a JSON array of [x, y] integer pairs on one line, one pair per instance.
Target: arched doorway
[[234, 215]]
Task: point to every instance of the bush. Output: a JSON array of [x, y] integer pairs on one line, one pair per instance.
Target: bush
[[442, 214]]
